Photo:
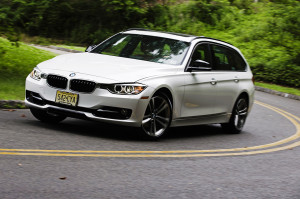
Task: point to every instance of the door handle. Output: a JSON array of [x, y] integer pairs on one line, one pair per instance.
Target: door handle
[[213, 81], [236, 79]]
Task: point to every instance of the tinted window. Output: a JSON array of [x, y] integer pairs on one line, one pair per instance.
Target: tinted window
[[227, 59], [144, 47], [201, 52], [239, 63]]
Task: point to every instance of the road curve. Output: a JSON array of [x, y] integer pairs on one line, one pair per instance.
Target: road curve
[[82, 159]]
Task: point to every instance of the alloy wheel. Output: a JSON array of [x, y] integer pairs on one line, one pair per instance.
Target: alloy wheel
[[241, 111], [157, 117]]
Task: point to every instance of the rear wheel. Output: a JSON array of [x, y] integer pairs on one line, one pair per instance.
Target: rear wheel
[[46, 117], [158, 116], [238, 117]]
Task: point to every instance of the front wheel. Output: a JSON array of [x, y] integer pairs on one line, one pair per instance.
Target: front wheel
[[46, 117], [238, 117], [158, 116]]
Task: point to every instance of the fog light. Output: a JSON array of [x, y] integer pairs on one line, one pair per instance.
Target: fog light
[[124, 112]]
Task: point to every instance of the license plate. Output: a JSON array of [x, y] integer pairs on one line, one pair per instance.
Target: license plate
[[66, 98]]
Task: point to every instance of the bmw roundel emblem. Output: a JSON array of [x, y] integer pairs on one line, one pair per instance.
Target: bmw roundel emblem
[[72, 74]]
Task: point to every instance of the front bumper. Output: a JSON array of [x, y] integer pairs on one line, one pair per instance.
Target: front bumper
[[100, 105]]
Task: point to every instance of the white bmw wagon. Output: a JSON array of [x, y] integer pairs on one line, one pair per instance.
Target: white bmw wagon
[[147, 79]]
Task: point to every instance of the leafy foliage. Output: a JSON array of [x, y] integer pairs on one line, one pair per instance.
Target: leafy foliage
[[267, 31], [272, 46]]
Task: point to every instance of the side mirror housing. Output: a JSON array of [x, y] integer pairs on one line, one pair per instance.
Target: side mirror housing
[[199, 65], [90, 48]]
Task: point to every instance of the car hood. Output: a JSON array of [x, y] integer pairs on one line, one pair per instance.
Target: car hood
[[111, 68]]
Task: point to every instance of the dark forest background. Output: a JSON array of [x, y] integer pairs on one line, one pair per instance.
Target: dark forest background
[[266, 31]]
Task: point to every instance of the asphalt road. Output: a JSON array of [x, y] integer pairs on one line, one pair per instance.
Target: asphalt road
[[55, 51], [92, 160]]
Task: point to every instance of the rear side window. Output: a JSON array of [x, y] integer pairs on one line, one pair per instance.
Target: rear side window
[[239, 63], [227, 59]]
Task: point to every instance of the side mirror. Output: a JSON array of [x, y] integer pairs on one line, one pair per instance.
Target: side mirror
[[90, 48], [199, 65]]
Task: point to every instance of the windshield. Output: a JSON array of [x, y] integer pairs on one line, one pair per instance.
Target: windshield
[[144, 47]]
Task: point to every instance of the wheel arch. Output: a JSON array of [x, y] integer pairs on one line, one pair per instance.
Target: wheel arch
[[167, 92], [246, 95]]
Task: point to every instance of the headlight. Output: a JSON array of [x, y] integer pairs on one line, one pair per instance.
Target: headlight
[[129, 89], [36, 74]]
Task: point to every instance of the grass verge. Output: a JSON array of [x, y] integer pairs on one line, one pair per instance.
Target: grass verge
[[12, 89], [15, 64], [283, 89]]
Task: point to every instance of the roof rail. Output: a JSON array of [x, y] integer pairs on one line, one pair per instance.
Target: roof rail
[[173, 33], [143, 29], [203, 37]]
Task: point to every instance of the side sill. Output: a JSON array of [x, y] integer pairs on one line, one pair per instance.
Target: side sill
[[199, 120]]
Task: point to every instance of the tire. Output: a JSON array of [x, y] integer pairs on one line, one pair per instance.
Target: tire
[[46, 117], [238, 117], [157, 117]]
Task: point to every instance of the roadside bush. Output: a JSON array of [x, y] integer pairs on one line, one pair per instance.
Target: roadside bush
[[272, 46], [267, 32]]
